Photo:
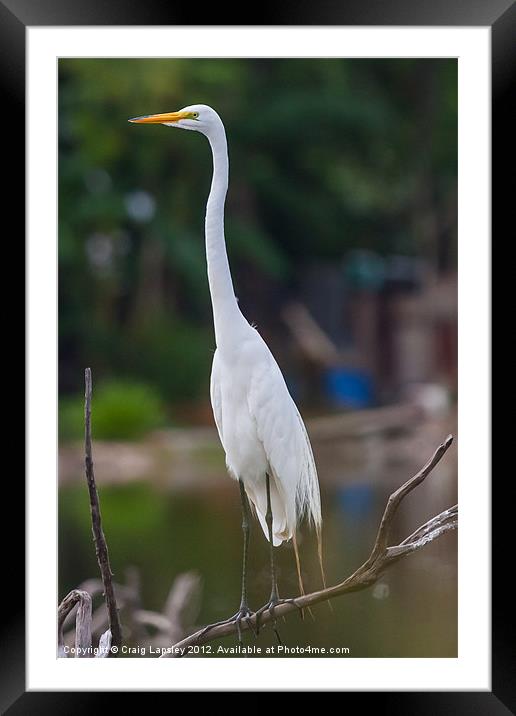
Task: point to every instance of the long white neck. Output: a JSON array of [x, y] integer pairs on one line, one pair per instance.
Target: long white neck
[[224, 303]]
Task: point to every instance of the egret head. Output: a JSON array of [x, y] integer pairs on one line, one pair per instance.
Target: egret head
[[197, 117]]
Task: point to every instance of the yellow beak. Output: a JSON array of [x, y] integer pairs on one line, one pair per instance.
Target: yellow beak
[[160, 118]]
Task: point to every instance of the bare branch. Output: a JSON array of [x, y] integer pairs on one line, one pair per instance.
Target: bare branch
[[381, 557], [183, 604], [83, 628], [64, 609], [179, 613], [82, 622], [104, 645], [396, 498], [96, 521]]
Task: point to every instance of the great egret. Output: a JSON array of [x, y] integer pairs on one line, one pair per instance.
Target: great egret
[[266, 444]]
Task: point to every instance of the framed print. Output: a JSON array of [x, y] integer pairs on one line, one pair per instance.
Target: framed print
[[258, 360]]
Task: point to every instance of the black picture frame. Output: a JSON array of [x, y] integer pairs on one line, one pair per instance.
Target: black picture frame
[[500, 15]]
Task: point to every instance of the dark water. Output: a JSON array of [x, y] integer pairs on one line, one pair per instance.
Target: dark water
[[412, 612]]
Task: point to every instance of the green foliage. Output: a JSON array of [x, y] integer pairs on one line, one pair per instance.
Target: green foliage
[[326, 156], [71, 417], [122, 411], [173, 354]]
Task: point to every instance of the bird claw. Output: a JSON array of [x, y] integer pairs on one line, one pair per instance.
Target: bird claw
[[244, 614], [270, 607]]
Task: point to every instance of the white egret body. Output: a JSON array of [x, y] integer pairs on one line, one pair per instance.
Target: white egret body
[[258, 422]]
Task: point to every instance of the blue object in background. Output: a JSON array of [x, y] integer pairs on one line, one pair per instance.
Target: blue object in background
[[356, 500], [349, 388]]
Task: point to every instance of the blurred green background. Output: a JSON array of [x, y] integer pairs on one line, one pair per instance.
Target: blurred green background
[[341, 233]]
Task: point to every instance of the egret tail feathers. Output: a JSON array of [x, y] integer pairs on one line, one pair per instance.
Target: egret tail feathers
[[257, 494], [321, 562], [298, 566], [299, 576]]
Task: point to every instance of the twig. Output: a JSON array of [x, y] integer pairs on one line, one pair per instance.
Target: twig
[[172, 624], [183, 604], [381, 557], [395, 499], [82, 622], [96, 521], [104, 649]]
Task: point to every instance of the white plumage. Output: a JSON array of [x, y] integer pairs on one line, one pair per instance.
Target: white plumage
[[258, 422], [262, 432]]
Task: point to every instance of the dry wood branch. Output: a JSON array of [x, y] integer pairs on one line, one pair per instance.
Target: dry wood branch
[[141, 626], [96, 521], [104, 648], [395, 499], [381, 557], [183, 604], [82, 622]]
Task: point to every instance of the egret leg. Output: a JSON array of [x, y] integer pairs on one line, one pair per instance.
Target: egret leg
[[246, 528], [243, 613], [274, 599], [268, 520]]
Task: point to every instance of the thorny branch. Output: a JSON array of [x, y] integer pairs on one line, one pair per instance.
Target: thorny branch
[[96, 521], [381, 557]]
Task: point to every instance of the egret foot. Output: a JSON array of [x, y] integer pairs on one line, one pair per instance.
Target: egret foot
[[270, 607], [244, 614]]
